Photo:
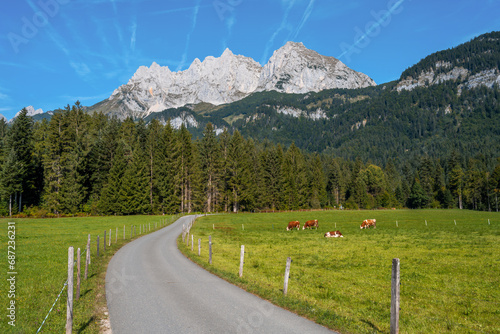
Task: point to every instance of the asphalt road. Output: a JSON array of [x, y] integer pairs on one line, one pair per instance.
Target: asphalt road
[[152, 288]]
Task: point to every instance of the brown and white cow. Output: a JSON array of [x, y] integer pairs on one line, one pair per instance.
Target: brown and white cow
[[310, 224], [368, 223], [292, 225], [333, 234]]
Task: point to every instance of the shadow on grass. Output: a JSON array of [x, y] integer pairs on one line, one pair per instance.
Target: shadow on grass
[[371, 324], [85, 325]]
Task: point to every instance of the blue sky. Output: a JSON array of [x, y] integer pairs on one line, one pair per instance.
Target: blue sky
[[54, 52]]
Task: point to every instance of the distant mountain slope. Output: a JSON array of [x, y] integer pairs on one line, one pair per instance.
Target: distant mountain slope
[[472, 64]]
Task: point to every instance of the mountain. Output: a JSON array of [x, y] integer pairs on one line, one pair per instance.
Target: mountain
[[296, 69], [292, 69], [3, 117], [446, 113], [472, 64], [31, 112]]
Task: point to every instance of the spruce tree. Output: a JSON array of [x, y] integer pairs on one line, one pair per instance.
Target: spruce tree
[[18, 173], [294, 179], [210, 163]]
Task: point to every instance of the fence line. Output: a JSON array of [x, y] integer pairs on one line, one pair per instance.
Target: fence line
[[43, 322], [87, 249]]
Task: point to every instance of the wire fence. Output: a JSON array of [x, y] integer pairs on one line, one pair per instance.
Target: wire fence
[[145, 229]]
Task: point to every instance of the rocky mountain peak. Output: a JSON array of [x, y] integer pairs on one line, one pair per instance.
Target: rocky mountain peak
[[292, 69], [295, 69]]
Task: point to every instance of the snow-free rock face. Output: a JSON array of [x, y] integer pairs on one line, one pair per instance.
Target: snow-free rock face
[[215, 80], [295, 69], [292, 69], [31, 111], [487, 78]]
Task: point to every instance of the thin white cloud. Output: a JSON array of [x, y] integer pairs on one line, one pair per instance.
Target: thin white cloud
[[81, 69], [176, 10], [304, 19], [283, 26], [80, 98], [188, 37], [133, 29], [4, 96], [11, 64], [374, 27]]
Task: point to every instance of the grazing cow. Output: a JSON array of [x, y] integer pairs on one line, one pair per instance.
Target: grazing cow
[[333, 234], [310, 223], [369, 223], [292, 225]]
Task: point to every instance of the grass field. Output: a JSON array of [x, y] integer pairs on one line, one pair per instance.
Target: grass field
[[41, 262], [450, 274]]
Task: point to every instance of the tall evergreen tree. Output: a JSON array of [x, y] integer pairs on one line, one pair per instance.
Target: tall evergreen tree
[[109, 199], [272, 162], [18, 173], [294, 179], [211, 164], [238, 169], [185, 167]]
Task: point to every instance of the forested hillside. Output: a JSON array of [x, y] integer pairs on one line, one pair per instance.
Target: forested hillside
[[78, 162]]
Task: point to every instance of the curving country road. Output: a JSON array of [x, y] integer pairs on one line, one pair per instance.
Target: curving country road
[[152, 288]]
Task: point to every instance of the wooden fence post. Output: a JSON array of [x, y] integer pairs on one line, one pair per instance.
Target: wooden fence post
[[77, 274], [87, 258], [97, 245], [210, 249], [104, 243], [395, 286], [287, 274], [242, 258], [192, 242], [199, 247], [69, 303]]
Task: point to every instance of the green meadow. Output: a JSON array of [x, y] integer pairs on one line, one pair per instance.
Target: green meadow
[[41, 264], [449, 259]]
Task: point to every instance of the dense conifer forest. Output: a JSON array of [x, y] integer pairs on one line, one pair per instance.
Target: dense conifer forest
[[92, 164]]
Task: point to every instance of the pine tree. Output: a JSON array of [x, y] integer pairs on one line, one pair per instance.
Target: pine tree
[[294, 179], [185, 166], [169, 200], [18, 173], [211, 161], [238, 172], [317, 183], [109, 200], [272, 161], [53, 169]]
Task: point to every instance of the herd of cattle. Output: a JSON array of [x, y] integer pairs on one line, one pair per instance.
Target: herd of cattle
[[332, 234]]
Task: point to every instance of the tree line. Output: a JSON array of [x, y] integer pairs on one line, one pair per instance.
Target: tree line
[[94, 164]]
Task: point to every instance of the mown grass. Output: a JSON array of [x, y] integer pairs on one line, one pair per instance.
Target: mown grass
[[42, 264], [450, 274]]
